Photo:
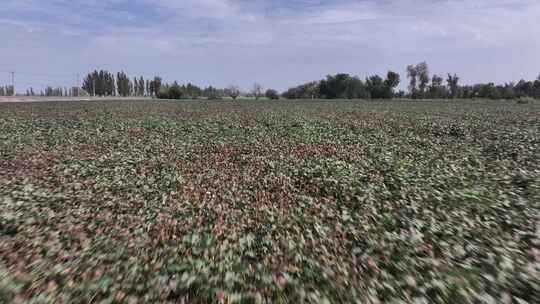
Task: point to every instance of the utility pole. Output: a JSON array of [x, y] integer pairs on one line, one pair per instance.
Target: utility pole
[[13, 83]]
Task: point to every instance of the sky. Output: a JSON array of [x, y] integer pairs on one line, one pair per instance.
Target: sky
[[278, 43]]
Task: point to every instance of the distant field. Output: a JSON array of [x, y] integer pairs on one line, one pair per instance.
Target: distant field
[[285, 202], [19, 99]]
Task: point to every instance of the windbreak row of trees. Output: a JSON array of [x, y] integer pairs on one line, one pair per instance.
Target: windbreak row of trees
[[507, 91], [345, 86], [54, 92], [49, 91], [101, 83], [6, 90], [421, 85], [104, 83], [189, 91]]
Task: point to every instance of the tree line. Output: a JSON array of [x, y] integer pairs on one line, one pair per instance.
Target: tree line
[[54, 92], [6, 90], [345, 86], [190, 91], [104, 83], [421, 85]]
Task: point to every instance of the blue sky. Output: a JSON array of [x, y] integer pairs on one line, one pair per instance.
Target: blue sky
[[277, 43]]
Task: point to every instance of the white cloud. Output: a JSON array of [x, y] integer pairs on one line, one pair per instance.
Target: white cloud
[[218, 9], [284, 42]]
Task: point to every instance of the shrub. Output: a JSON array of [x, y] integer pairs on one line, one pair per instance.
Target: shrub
[[175, 92], [272, 94]]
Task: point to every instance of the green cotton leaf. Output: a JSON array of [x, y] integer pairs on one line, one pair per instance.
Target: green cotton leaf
[[229, 277], [420, 300], [192, 239], [187, 280], [207, 241], [312, 201], [247, 241], [487, 299], [472, 195]]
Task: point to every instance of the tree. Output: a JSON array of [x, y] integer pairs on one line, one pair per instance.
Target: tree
[[308, 90], [152, 89], [453, 85], [99, 83], [112, 85], [488, 90], [334, 86], [392, 81], [191, 91], [175, 91], [525, 88], [419, 78], [423, 77], [436, 90], [89, 84], [257, 90], [157, 85], [123, 84], [142, 86], [233, 92], [536, 87], [507, 90], [212, 93], [412, 74], [356, 89], [272, 94], [377, 87], [53, 92], [136, 88]]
